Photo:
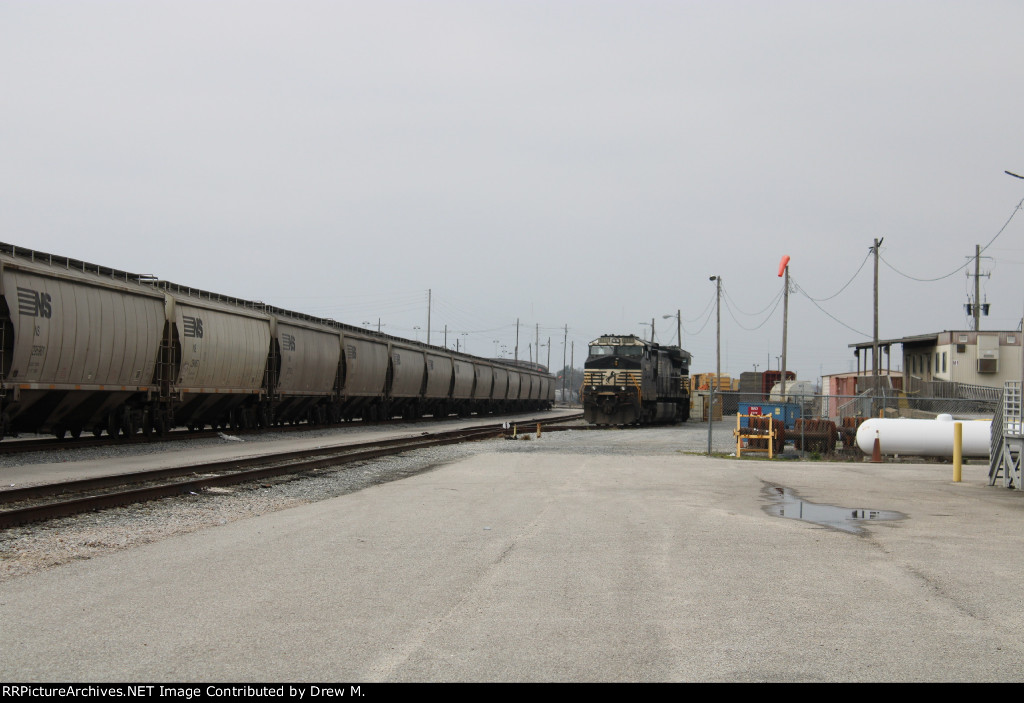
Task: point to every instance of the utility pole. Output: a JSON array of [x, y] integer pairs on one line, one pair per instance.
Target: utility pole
[[652, 330], [429, 294], [565, 344], [874, 345], [537, 360], [679, 327], [977, 287], [517, 339], [977, 309], [718, 327], [785, 331]]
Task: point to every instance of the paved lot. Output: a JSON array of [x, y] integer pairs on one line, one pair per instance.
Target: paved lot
[[582, 556]]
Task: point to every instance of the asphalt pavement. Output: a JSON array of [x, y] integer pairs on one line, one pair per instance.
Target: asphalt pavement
[[577, 557]]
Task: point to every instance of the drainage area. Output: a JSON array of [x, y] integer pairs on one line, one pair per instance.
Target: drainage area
[[785, 502]]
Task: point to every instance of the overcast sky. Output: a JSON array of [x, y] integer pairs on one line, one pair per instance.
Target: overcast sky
[[565, 163]]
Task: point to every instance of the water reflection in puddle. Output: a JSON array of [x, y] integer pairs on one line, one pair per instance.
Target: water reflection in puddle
[[785, 502]]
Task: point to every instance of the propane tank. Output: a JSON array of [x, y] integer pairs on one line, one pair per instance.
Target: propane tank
[[924, 437]]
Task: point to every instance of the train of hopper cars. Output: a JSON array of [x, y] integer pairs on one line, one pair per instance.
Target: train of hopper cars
[[85, 348]]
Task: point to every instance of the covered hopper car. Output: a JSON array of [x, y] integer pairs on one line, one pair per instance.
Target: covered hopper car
[[85, 348]]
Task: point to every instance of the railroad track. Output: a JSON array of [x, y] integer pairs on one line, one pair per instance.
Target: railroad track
[[46, 502], [25, 446]]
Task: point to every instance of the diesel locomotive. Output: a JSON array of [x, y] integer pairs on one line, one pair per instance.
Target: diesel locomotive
[[627, 380], [89, 348]]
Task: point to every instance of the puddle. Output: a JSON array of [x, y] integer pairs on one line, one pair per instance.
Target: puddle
[[785, 502]]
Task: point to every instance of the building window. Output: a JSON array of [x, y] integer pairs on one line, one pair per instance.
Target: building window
[[1011, 339], [943, 362]]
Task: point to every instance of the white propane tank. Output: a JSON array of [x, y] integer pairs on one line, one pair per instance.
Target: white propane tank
[[923, 437]]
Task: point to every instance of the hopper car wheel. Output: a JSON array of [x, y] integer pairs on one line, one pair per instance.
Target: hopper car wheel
[[76, 432], [60, 431], [128, 425]]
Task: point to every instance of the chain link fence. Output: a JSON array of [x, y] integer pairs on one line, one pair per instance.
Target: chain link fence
[[824, 425]]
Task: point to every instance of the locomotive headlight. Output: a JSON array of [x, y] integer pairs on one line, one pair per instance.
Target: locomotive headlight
[[622, 387]]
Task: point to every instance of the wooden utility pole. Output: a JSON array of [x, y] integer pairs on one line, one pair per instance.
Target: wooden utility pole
[[977, 287], [874, 345], [565, 348], [718, 328], [785, 331]]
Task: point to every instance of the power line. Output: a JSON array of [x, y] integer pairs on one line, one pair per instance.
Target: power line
[[967, 263], [821, 300], [774, 307], [815, 302]]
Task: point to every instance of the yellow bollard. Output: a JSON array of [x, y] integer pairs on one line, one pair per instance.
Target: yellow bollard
[[958, 449], [513, 431], [538, 430]]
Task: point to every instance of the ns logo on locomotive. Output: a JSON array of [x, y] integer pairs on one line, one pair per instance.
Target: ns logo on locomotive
[[628, 380], [90, 348]]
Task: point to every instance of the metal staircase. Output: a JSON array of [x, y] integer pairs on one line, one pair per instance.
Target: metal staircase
[[1007, 446]]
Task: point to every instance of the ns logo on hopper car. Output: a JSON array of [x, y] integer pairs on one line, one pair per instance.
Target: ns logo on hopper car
[[34, 303], [193, 326]]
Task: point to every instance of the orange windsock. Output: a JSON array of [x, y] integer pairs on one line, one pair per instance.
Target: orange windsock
[[782, 265]]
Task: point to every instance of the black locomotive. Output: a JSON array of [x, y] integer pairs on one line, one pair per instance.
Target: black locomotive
[[627, 380]]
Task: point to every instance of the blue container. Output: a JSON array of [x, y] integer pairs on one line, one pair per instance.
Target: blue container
[[787, 413]]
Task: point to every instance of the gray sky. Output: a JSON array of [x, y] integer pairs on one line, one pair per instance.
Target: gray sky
[[575, 163]]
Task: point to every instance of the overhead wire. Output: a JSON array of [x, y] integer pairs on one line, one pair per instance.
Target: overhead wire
[[846, 285], [967, 263], [800, 290], [774, 306]]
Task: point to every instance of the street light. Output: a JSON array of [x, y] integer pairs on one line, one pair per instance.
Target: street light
[[416, 331], [679, 326]]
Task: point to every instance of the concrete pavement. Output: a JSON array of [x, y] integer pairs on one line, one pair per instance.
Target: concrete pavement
[[547, 564]]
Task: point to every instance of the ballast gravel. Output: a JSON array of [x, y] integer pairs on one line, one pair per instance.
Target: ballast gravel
[[30, 548]]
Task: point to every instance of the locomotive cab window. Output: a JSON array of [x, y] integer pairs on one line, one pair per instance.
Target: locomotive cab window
[[601, 350], [630, 351]]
